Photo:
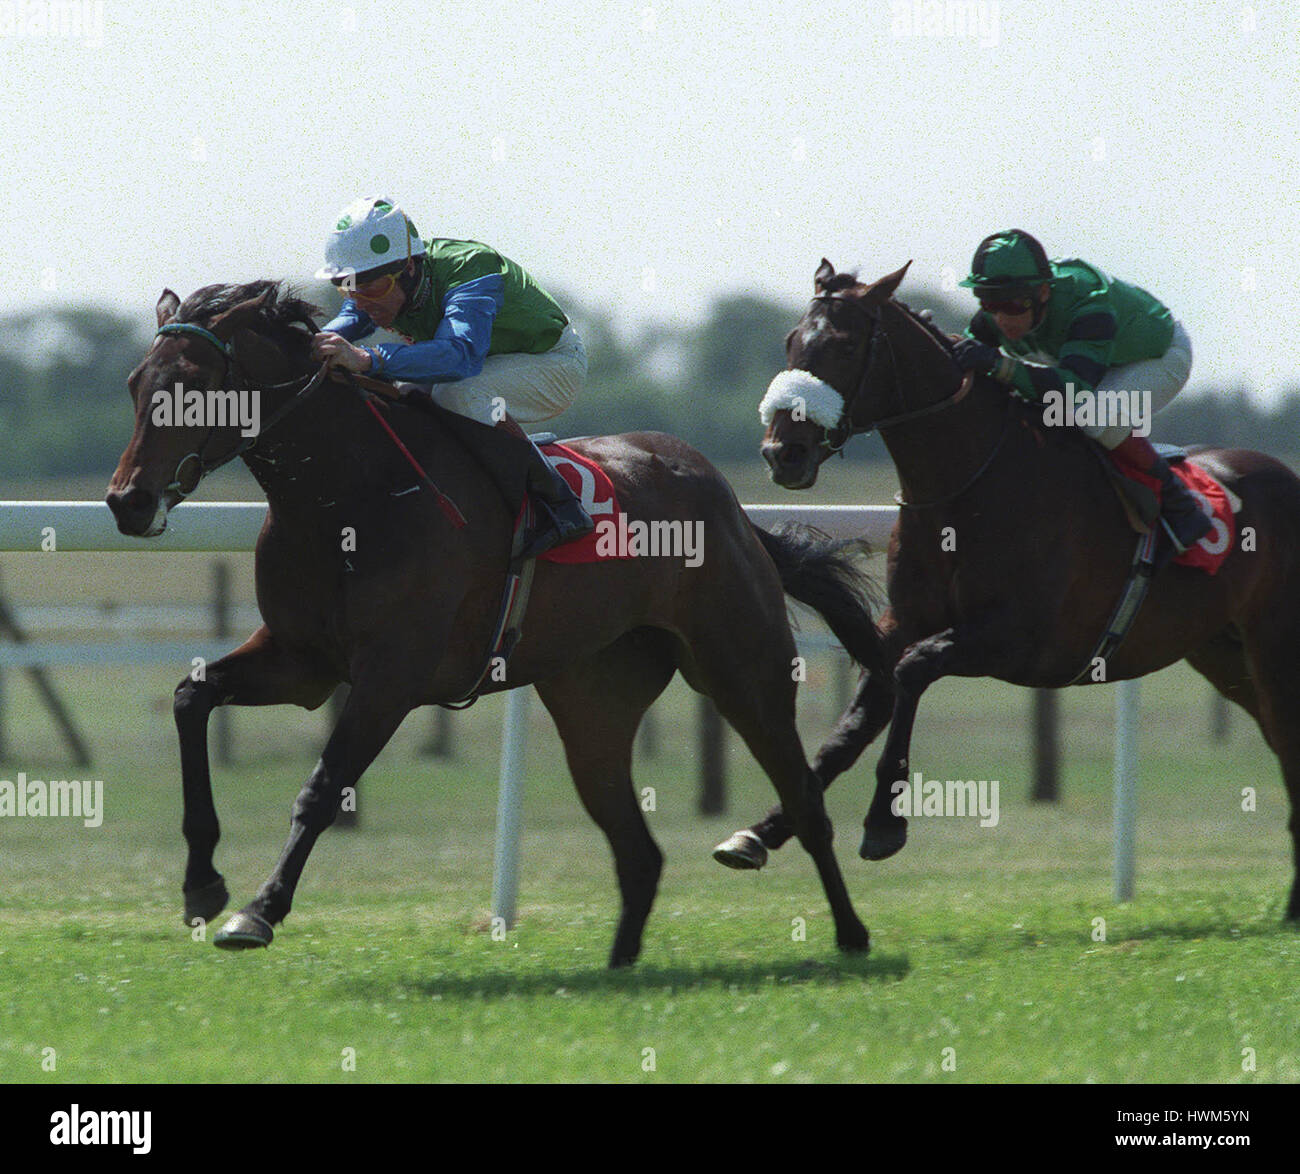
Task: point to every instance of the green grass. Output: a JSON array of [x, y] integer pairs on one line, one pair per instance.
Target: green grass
[[983, 939]]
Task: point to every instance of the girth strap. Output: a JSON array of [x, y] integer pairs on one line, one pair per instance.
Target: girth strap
[[514, 604], [1130, 602]]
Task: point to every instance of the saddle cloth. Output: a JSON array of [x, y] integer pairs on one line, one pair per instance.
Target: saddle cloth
[[1210, 551], [596, 492]]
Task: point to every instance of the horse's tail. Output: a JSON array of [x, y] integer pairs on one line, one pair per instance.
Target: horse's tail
[[823, 573]]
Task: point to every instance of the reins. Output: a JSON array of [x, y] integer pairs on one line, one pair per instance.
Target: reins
[[312, 382], [309, 385], [448, 507], [846, 425]]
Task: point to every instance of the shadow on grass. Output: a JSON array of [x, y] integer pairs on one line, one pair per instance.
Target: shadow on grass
[[1269, 927], [1203, 926], [745, 976]]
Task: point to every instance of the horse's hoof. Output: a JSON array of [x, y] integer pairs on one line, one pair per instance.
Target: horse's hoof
[[858, 941], [244, 931], [206, 902], [882, 843], [742, 850]]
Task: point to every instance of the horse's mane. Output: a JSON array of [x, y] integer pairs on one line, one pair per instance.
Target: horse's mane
[[924, 318], [283, 312], [842, 281]]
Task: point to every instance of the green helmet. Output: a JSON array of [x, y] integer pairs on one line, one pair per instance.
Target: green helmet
[[1008, 262]]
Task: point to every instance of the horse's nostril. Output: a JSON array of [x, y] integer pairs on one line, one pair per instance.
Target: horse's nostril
[[133, 508], [126, 500]]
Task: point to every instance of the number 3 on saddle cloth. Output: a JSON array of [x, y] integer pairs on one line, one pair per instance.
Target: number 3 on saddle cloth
[[1140, 495], [1220, 504]]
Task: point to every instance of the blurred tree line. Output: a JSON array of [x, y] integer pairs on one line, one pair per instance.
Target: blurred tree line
[[64, 408]]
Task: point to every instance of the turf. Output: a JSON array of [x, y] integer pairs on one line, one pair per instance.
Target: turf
[[986, 963]]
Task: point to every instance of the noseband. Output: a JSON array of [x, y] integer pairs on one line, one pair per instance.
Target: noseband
[[846, 425], [231, 363]]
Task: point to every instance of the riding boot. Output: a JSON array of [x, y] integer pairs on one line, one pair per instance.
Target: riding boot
[[1181, 514], [567, 519]]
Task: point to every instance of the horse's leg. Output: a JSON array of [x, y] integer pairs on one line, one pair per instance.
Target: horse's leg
[[597, 706], [1272, 650], [987, 649], [373, 711], [258, 672], [1222, 662], [757, 698], [867, 714]]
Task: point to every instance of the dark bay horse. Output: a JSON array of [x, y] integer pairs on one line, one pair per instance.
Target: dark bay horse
[[363, 577], [1011, 550]]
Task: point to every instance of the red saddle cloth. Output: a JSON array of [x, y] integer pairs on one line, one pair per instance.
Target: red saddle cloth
[[1210, 551], [596, 492]]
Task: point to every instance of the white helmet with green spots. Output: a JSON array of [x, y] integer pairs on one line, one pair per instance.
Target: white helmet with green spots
[[371, 233]]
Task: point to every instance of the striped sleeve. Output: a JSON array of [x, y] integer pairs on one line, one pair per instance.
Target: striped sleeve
[[1084, 356]]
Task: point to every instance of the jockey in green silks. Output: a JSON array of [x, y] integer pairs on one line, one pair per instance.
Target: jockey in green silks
[[1065, 329], [483, 338]]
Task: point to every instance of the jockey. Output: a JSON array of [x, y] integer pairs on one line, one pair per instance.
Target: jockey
[[485, 340], [1066, 326]]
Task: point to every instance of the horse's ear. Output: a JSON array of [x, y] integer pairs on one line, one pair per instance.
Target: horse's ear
[[241, 314], [825, 271], [885, 288], [167, 306]]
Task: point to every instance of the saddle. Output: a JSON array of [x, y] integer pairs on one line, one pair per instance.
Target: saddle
[[503, 458], [1140, 504]]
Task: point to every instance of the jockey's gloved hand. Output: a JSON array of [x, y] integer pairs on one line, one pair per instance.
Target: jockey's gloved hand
[[973, 355]]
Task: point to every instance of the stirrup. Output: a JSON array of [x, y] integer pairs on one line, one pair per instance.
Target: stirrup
[[1177, 543], [548, 531]]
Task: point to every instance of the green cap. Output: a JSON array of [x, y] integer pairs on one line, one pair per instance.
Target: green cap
[[1007, 262]]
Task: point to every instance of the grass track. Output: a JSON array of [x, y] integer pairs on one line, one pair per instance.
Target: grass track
[[982, 938]]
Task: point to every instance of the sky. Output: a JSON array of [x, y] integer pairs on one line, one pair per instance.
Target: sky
[[651, 156]]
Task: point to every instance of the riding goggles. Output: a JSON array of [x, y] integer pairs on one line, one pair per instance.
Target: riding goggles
[[372, 291], [1006, 305]]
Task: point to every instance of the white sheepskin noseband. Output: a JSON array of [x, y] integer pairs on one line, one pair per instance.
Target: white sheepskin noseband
[[802, 393]]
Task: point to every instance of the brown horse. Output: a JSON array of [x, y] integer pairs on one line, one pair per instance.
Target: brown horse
[[363, 576], [1011, 550]]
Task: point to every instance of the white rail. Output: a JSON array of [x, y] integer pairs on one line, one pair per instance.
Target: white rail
[[228, 527]]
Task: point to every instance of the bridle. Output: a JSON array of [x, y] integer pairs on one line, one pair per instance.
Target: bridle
[[845, 422], [846, 427], [309, 383], [230, 363]]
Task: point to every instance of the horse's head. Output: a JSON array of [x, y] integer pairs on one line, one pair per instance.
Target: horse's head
[[208, 362], [831, 387]]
